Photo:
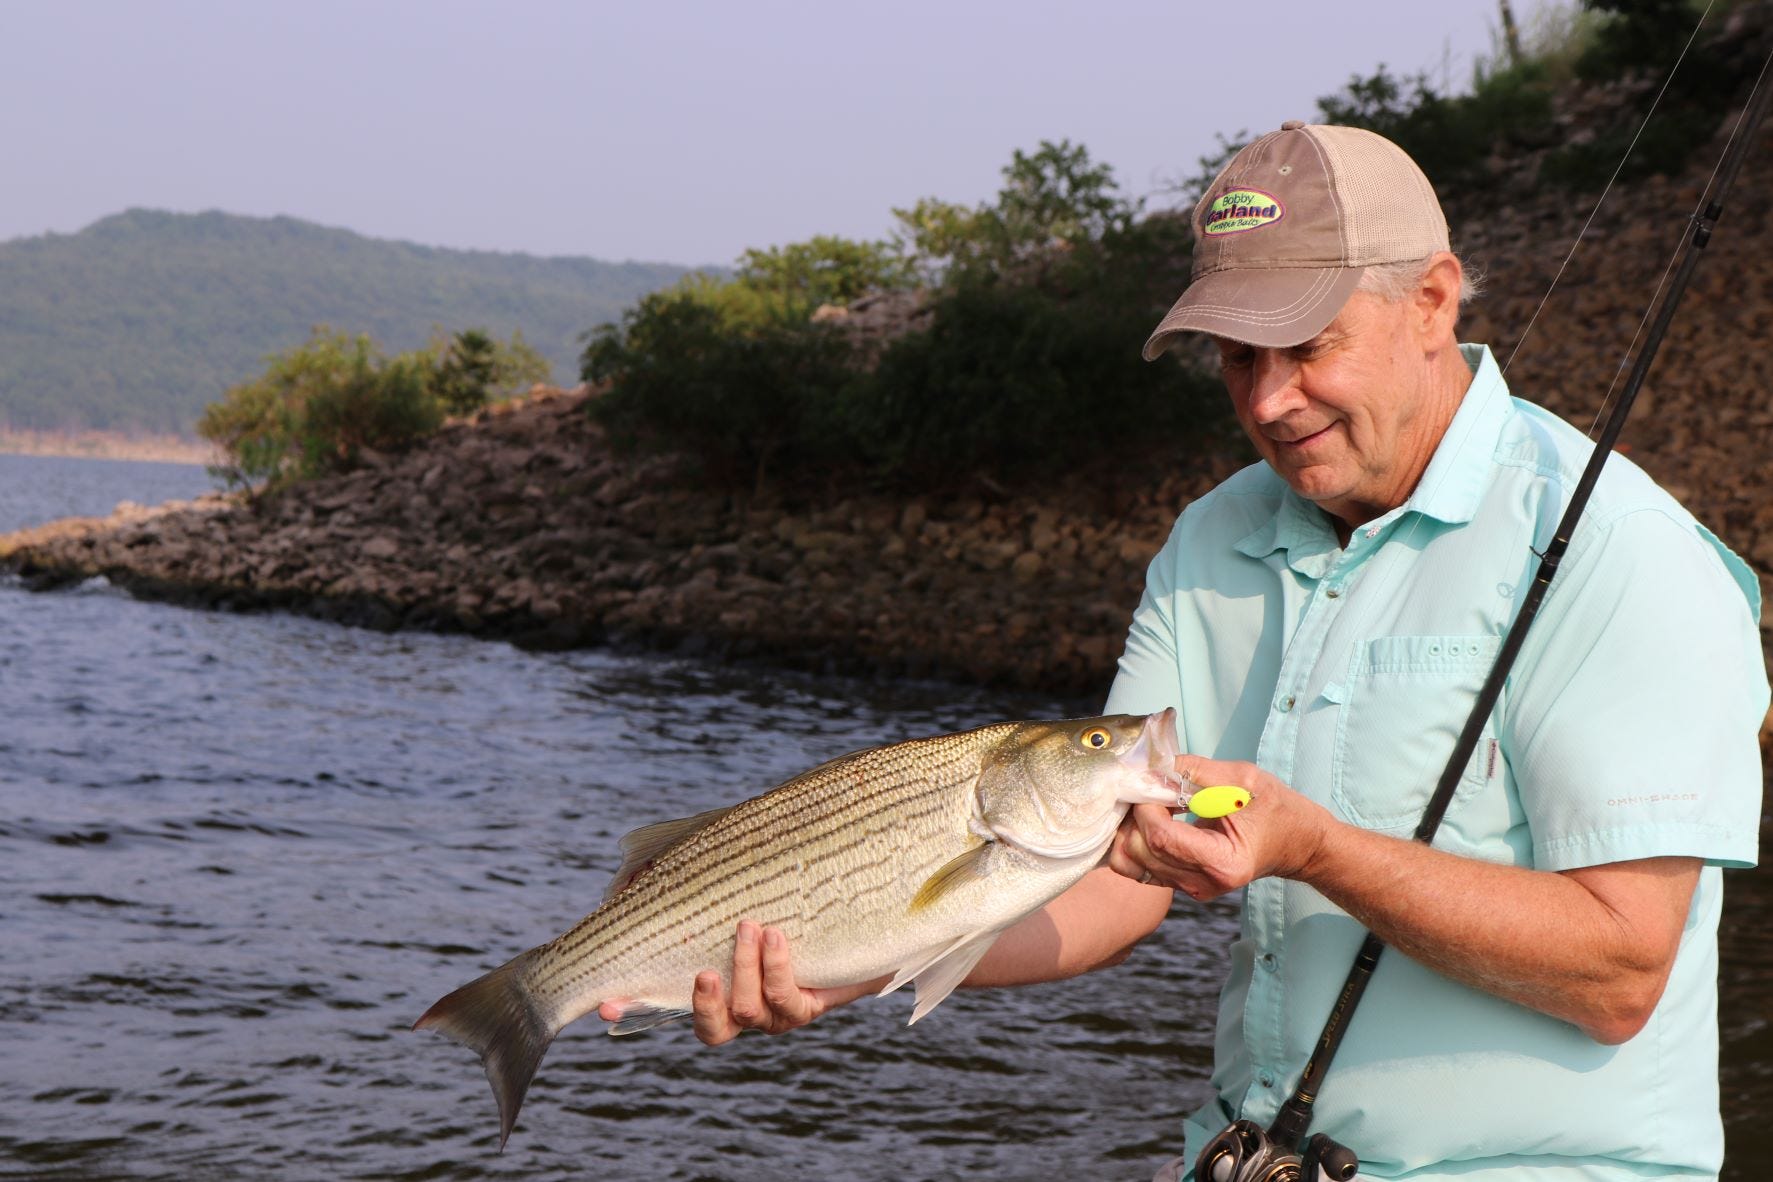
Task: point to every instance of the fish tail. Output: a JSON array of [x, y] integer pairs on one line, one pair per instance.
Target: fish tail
[[501, 1019]]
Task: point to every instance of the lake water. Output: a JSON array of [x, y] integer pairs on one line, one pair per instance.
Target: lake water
[[240, 854]]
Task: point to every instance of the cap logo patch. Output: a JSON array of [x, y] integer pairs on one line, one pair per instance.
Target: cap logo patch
[[1237, 210]]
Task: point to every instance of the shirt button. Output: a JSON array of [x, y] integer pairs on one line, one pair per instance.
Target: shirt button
[[1374, 532], [1333, 593], [1285, 704], [1268, 961], [1265, 1079]]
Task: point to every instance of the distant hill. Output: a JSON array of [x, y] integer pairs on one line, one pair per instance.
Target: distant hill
[[137, 321]]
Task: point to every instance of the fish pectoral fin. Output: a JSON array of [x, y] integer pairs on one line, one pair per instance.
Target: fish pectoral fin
[[638, 1017], [956, 873], [642, 847], [938, 980]]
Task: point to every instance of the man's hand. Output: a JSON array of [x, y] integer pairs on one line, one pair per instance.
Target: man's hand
[[764, 995], [1277, 833], [1592, 946]]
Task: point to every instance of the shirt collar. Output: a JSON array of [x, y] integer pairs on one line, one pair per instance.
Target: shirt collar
[[1451, 488]]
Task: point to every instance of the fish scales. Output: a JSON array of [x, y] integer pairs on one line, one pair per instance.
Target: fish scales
[[900, 863], [815, 817]]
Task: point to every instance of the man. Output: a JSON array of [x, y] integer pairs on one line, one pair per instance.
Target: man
[[1322, 621]]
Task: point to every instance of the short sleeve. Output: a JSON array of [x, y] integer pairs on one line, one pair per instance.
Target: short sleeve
[[1631, 721], [1149, 676]]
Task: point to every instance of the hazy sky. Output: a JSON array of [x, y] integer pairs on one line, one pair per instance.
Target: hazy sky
[[681, 132]]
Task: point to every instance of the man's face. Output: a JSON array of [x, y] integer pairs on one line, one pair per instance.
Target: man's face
[[1349, 418]]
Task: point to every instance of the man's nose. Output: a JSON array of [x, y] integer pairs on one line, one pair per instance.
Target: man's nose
[[1274, 386]]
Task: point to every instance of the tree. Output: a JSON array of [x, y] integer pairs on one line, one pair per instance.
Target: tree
[[473, 367], [823, 270], [1053, 200]]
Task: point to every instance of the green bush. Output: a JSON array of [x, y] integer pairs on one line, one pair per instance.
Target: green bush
[[1015, 385], [319, 406], [746, 400], [1634, 35], [1450, 137], [471, 368], [733, 371], [369, 404], [796, 279], [1053, 201]]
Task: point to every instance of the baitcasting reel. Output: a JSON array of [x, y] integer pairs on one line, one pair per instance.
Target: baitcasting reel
[[1243, 1152]]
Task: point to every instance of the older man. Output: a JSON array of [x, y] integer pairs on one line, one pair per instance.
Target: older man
[[1323, 621]]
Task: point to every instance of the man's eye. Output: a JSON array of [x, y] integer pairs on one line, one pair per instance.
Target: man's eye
[[1313, 349], [1237, 360]]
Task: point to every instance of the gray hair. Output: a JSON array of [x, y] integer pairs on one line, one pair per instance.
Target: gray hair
[[1393, 282]]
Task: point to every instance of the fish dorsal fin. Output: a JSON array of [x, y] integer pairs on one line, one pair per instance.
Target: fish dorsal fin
[[937, 975], [955, 874], [642, 847]]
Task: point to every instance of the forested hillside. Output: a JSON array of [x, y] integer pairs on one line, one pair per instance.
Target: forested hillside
[[137, 321]]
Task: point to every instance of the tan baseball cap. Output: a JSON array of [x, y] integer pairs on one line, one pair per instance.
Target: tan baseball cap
[[1285, 231]]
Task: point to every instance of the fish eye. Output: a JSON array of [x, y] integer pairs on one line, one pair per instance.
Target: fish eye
[[1096, 738]]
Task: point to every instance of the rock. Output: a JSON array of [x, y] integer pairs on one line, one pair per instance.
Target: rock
[[380, 546]]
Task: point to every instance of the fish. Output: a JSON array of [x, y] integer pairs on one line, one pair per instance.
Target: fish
[[906, 860]]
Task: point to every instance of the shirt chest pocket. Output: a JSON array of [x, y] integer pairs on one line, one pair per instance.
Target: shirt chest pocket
[[1403, 705]]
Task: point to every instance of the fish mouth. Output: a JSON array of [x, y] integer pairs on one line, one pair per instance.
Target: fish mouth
[[1153, 755]]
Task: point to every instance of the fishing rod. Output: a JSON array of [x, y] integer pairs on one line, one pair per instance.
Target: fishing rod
[[1244, 1151]]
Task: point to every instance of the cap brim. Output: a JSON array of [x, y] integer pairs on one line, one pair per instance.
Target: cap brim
[[1272, 307]]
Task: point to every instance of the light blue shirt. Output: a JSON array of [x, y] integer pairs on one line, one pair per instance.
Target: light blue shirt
[[1626, 730]]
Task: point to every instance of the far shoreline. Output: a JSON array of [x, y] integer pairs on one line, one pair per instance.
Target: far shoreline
[[107, 445]]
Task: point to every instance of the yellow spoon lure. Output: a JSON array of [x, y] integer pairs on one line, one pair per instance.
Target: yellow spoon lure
[[1217, 800]]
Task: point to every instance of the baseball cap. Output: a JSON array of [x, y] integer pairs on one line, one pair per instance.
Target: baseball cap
[[1284, 233]]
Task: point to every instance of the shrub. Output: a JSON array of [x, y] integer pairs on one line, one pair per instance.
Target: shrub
[[1053, 201], [319, 406], [744, 400], [471, 368], [1012, 385], [1449, 137], [371, 403]]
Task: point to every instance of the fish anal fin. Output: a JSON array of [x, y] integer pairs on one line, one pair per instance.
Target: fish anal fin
[[639, 1016], [956, 874], [644, 846]]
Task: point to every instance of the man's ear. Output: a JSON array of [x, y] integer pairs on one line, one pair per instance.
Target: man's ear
[[1437, 301]]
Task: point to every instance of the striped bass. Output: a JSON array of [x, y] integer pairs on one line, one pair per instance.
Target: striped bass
[[907, 860]]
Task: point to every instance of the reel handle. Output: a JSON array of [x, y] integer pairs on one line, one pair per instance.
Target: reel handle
[[1336, 1160]]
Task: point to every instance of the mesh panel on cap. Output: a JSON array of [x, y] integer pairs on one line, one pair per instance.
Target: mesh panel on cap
[[1389, 211]]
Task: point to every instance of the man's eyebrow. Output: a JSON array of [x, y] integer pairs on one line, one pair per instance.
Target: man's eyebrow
[[1328, 336]]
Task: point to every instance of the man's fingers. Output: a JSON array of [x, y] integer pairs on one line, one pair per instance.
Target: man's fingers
[[1130, 855], [786, 1004], [746, 1002], [714, 1023]]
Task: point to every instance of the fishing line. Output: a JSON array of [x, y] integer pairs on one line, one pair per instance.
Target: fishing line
[[1608, 188]]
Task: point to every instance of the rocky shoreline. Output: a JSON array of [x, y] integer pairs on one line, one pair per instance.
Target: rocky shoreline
[[521, 524]]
